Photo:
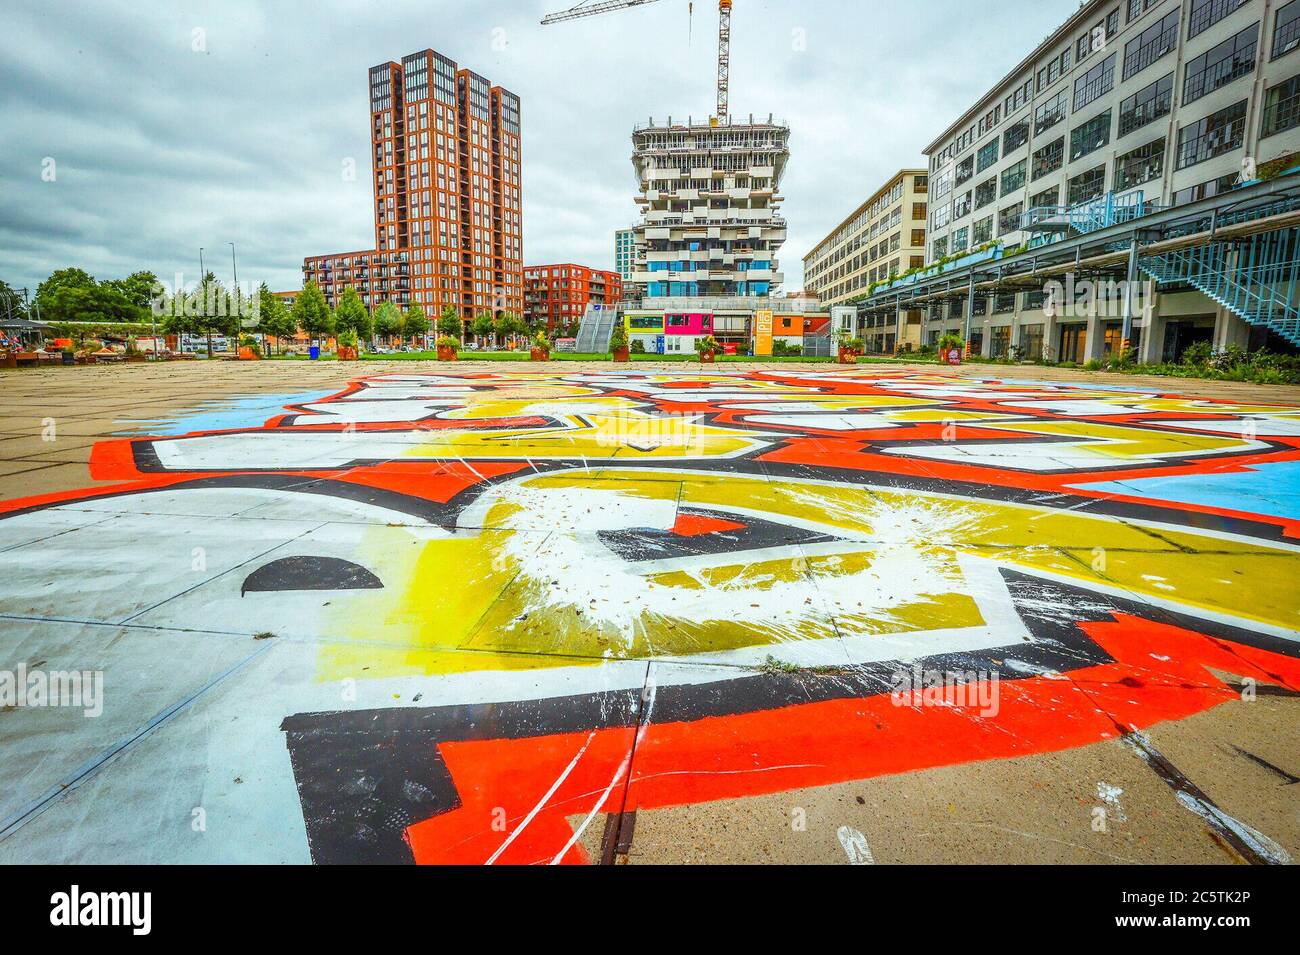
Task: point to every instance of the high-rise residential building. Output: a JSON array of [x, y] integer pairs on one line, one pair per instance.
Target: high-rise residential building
[[448, 210], [558, 295], [710, 202], [624, 253], [1172, 98], [882, 237]]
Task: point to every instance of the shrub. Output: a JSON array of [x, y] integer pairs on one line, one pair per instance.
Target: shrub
[[447, 341], [637, 347], [1197, 354]]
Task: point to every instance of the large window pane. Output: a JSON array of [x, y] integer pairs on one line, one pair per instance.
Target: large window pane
[[1215, 135], [1146, 105], [1221, 64], [1090, 136], [1151, 44]]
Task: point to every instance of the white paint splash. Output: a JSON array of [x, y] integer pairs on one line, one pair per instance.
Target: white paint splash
[[574, 569], [1262, 845], [855, 846], [1109, 795]]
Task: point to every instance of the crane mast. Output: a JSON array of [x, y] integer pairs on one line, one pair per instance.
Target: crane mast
[[724, 37]]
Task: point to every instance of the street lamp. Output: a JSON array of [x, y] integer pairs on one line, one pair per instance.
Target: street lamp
[[239, 317]]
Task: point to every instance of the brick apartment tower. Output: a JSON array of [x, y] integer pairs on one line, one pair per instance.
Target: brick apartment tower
[[446, 147]]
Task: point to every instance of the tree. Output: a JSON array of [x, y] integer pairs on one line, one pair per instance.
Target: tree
[[449, 322], [388, 321], [63, 278], [414, 323], [139, 288], [11, 302], [351, 315], [482, 326], [507, 324], [214, 310], [274, 317], [311, 312]]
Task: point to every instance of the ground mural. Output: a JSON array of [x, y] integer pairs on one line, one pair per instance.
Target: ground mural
[[507, 605]]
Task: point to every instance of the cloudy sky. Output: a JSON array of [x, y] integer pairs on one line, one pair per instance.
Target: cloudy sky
[[136, 132]]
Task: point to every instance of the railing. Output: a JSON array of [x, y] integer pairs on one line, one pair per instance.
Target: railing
[[1102, 213]]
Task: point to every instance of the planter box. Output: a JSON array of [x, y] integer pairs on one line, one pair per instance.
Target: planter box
[[848, 356], [346, 353], [621, 354], [9, 360], [539, 354], [446, 354], [706, 357], [69, 358], [134, 359], [950, 356]]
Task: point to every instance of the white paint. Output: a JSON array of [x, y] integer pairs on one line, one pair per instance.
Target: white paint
[[1109, 795], [1260, 843], [855, 846]]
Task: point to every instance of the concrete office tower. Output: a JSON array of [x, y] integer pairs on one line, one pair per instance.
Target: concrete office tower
[[446, 152], [709, 199]]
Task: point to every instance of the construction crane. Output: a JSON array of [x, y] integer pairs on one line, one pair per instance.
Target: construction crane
[[585, 9]]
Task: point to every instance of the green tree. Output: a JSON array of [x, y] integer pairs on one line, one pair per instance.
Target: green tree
[[139, 288], [482, 326], [449, 323], [388, 321], [351, 315], [11, 302], [414, 322], [311, 312], [70, 278], [274, 318]]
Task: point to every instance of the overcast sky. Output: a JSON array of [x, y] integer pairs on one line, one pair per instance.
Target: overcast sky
[[165, 127]]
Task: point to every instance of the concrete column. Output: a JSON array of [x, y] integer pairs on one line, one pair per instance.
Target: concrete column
[[1153, 340], [1230, 330], [1092, 348]]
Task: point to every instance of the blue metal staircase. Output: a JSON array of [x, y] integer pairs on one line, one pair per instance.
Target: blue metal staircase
[[1257, 279]]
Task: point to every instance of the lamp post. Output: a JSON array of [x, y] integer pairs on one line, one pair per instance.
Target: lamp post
[[239, 317]]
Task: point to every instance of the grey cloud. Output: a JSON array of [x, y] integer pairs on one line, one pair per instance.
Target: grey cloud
[[162, 149]]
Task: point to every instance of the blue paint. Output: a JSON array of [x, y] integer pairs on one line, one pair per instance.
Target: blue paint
[[1267, 489], [222, 414]]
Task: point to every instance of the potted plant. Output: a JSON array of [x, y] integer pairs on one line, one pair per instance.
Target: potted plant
[[618, 342], [447, 347], [250, 350], [69, 355], [707, 348], [347, 346], [541, 350], [850, 349], [950, 347]]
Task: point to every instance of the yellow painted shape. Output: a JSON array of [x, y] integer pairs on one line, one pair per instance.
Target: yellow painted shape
[[1120, 441]]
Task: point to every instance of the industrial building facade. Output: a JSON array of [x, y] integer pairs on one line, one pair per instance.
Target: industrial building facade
[[557, 295], [447, 189], [1169, 98], [1131, 186], [884, 236]]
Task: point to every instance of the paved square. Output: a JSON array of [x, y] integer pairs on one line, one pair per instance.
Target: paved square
[[488, 613]]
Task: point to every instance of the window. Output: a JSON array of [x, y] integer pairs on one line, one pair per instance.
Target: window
[[940, 248], [985, 193], [1019, 97], [987, 155], [1282, 107], [1140, 165], [1053, 71], [1049, 158], [1137, 7], [1094, 41], [961, 205], [1215, 135], [1098, 81], [1205, 190], [991, 119], [942, 215], [1048, 198], [965, 169], [1090, 136], [1009, 218], [941, 184], [1015, 136], [1052, 112], [1206, 13], [1221, 64], [1146, 105], [1085, 186], [982, 231], [1151, 44], [960, 240], [1013, 178], [1286, 29]]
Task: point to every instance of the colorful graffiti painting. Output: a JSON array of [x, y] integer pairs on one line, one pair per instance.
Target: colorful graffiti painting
[[509, 605]]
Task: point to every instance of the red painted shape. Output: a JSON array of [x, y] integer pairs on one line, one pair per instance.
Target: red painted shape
[[1159, 673], [693, 525]]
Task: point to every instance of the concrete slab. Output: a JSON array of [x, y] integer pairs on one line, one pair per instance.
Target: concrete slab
[[582, 613]]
